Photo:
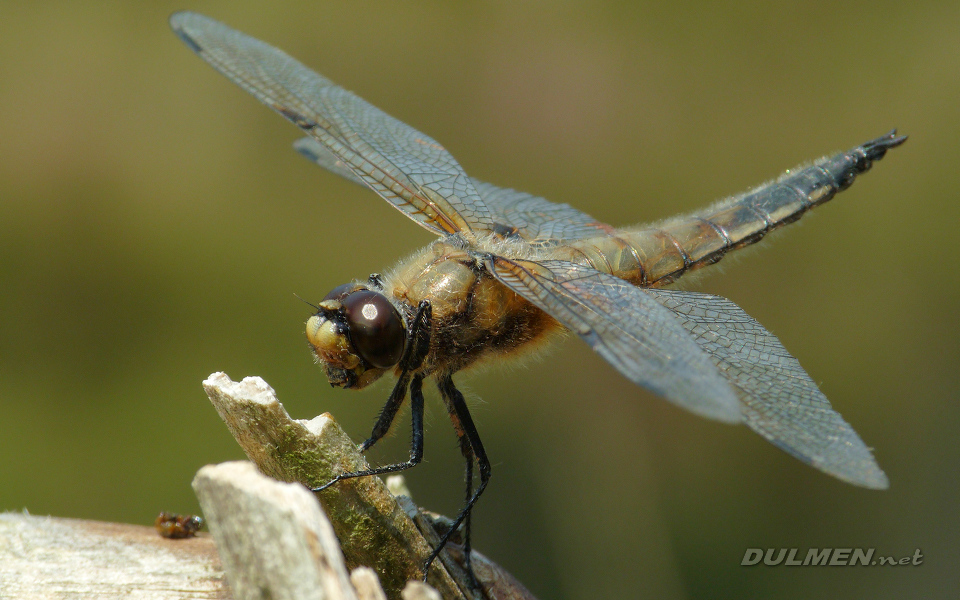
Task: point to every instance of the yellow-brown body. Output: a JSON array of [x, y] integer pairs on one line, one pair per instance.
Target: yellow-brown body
[[476, 317]]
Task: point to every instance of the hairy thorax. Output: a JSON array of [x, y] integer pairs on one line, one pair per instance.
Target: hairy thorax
[[474, 316]]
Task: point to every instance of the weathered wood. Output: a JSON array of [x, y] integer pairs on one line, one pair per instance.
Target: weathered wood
[[372, 528], [417, 590], [494, 580], [47, 557], [378, 526], [273, 539], [367, 585]]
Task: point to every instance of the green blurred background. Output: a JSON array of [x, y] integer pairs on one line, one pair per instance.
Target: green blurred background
[[155, 225]]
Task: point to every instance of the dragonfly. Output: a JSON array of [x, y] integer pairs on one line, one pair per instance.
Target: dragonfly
[[510, 271]]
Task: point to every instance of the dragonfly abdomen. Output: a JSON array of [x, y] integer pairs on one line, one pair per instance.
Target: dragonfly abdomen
[[657, 255]]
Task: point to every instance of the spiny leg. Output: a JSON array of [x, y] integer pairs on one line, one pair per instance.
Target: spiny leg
[[388, 413], [416, 445], [417, 348], [467, 452], [472, 448]]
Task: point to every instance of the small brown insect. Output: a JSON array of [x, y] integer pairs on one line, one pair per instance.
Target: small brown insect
[[176, 527]]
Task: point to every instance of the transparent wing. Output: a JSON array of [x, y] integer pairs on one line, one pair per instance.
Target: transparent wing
[[316, 152], [407, 168], [631, 330], [536, 220], [780, 401]]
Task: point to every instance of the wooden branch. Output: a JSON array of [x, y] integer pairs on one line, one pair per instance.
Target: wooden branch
[[47, 557], [273, 539], [272, 542], [366, 584], [374, 529]]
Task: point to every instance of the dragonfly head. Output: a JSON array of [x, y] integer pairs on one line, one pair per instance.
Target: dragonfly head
[[357, 335]]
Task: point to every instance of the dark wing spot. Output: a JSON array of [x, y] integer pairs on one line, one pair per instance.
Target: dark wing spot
[[299, 120]]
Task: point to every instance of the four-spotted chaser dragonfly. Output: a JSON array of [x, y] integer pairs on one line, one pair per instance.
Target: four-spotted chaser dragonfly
[[509, 269]]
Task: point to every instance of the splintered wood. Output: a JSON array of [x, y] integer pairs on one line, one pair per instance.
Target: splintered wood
[[372, 528], [273, 539]]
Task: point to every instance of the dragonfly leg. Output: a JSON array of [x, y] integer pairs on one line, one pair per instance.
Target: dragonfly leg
[[417, 347], [472, 449], [467, 452], [416, 445], [418, 336], [388, 413]]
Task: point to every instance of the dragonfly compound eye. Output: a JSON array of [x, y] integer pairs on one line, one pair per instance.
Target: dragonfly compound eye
[[376, 329]]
